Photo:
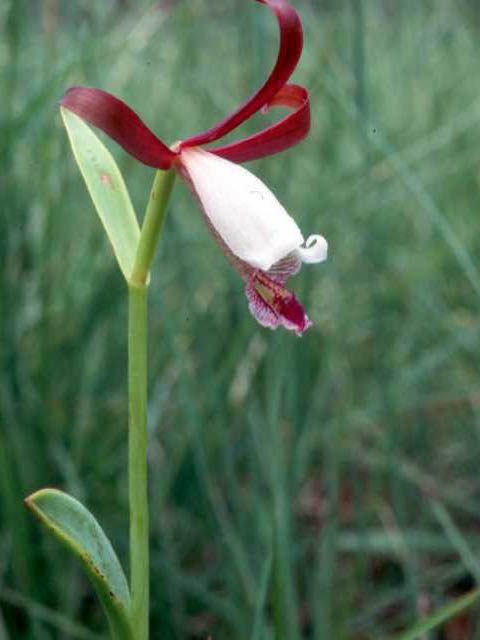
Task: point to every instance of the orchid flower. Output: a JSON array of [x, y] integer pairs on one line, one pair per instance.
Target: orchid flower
[[256, 234]]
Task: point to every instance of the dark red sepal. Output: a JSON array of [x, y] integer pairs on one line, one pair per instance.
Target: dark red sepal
[[121, 123], [291, 43], [284, 134]]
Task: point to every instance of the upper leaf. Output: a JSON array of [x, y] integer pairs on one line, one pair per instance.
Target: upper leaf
[[107, 190], [78, 530]]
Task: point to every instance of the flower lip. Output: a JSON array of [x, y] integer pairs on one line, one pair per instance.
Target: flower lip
[[273, 306]]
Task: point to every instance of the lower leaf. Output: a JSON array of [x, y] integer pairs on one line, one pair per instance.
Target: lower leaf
[[78, 530]]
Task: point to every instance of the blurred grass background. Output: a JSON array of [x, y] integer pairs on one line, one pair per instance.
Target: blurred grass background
[[328, 483]]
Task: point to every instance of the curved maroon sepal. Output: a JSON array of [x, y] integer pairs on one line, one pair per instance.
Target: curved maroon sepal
[[280, 136], [121, 123], [291, 43]]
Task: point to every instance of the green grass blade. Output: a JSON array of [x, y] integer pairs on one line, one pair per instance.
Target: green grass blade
[[262, 597], [458, 541], [441, 615], [75, 526], [107, 190], [56, 620]]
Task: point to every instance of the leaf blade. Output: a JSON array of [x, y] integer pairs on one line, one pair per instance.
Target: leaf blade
[[440, 615], [72, 524], [106, 188]]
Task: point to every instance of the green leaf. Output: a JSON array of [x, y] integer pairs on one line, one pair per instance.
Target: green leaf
[[439, 616], [75, 526], [107, 190]]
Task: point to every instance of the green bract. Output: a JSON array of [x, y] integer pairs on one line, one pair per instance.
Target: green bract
[[107, 190]]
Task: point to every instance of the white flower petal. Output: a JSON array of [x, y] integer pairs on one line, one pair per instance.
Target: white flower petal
[[314, 250], [243, 211]]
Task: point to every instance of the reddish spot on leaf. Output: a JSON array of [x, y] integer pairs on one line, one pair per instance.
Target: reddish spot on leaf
[[106, 180]]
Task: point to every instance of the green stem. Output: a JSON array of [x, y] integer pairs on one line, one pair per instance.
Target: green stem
[[137, 400], [152, 224], [137, 458]]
